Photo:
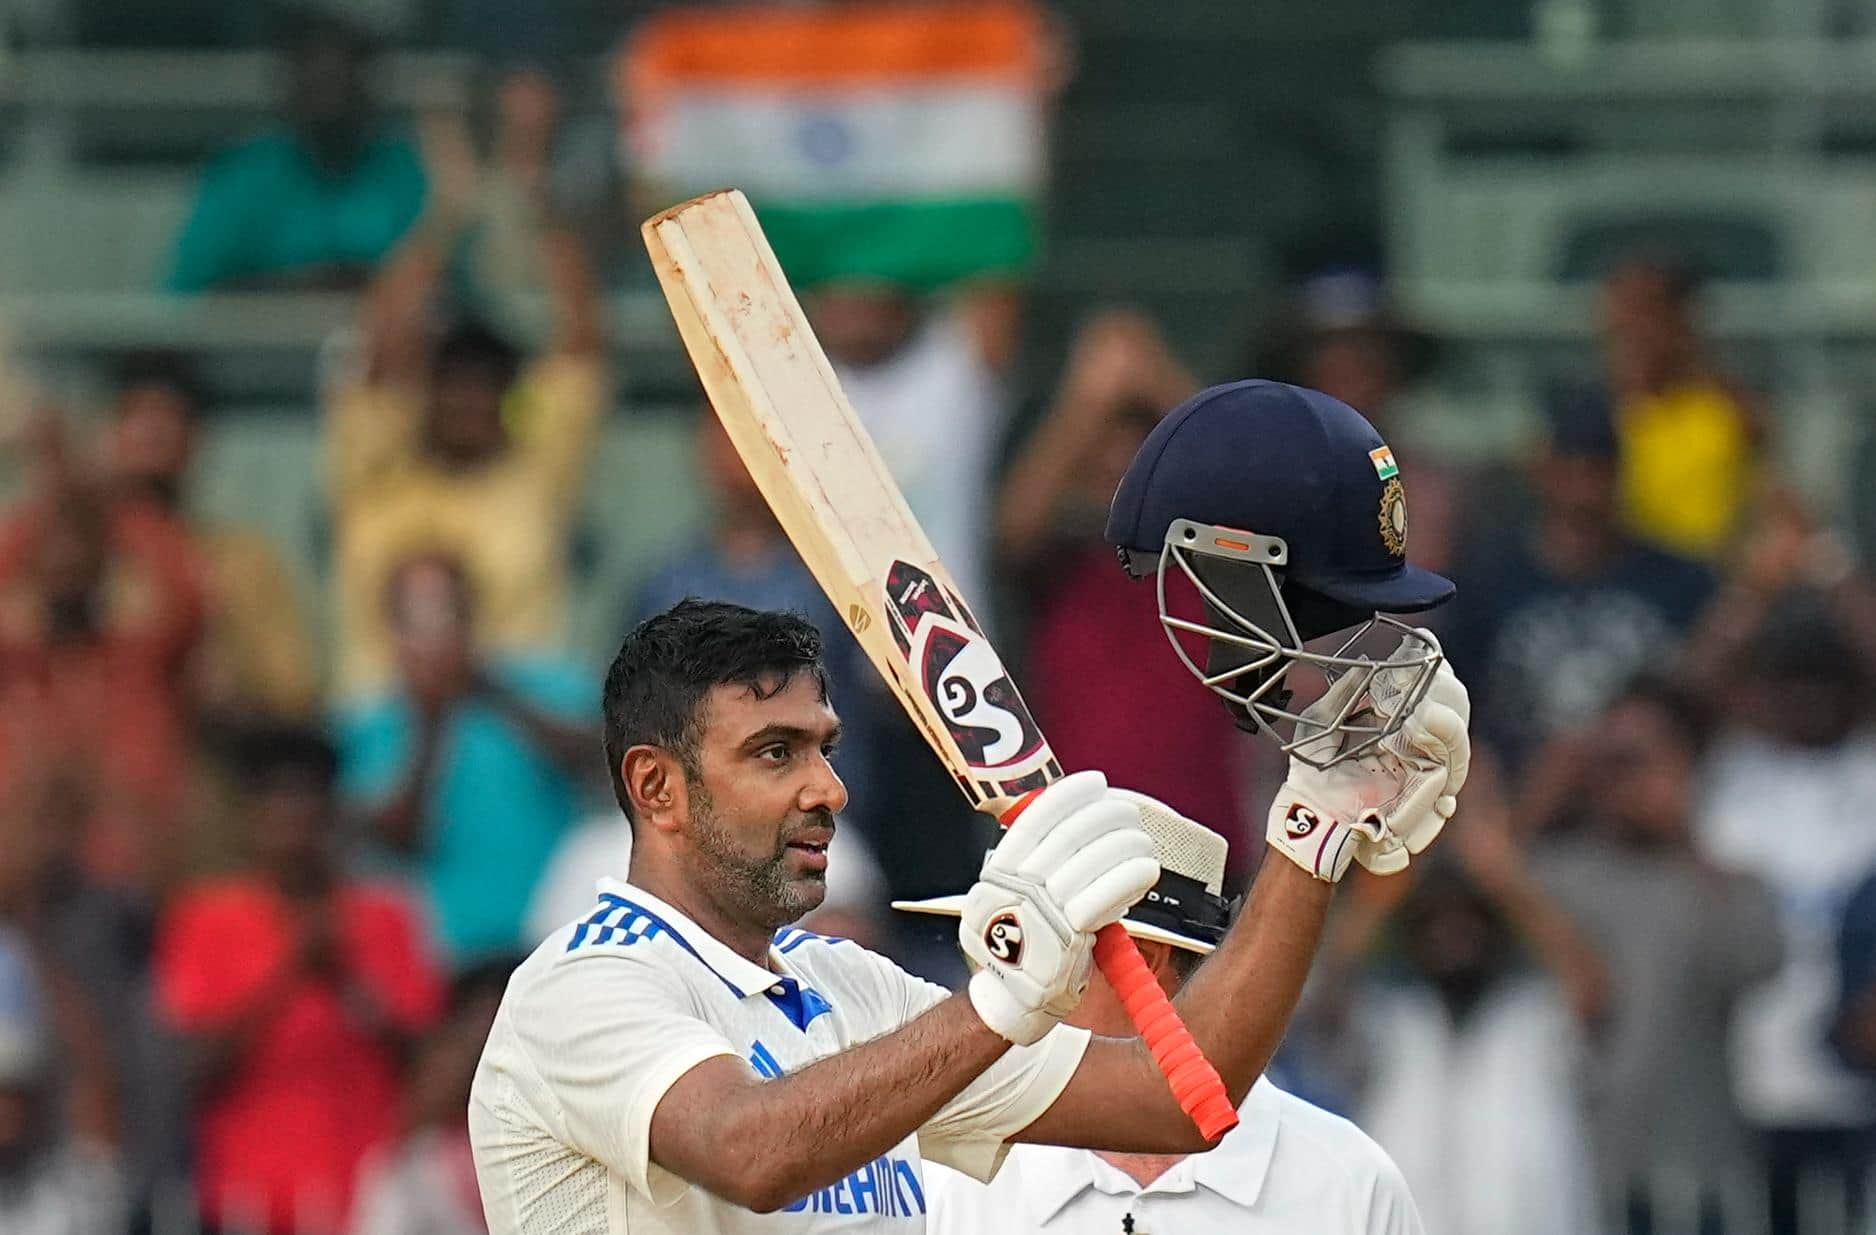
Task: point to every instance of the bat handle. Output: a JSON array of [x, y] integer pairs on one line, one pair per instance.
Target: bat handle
[[1194, 1082]]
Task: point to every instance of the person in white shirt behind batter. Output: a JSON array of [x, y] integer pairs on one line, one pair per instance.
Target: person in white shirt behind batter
[[1288, 1168]]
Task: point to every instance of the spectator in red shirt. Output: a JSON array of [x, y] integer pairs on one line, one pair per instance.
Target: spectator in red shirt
[[100, 608], [1097, 658], [297, 993]]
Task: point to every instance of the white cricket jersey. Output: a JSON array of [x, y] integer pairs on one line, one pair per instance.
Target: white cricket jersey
[[611, 1010], [1288, 1168]]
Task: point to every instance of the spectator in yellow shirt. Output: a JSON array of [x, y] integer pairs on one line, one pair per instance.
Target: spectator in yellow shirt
[[459, 443], [1689, 437]]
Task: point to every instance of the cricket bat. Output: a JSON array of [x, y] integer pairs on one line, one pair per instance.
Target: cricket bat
[[778, 398]]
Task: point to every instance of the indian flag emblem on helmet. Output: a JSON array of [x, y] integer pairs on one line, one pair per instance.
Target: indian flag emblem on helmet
[[1384, 465]]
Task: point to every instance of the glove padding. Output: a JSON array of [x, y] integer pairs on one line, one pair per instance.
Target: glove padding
[[1390, 803], [1434, 741], [1076, 859]]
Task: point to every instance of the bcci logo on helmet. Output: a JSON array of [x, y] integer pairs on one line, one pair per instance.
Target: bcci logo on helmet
[[1300, 821], [1003, 938], [1394, 517]]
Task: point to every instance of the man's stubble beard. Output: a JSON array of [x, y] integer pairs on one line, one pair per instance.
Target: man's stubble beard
[[757, 889]]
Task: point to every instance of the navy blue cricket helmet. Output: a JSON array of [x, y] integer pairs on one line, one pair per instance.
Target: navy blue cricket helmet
[[1285, 510]]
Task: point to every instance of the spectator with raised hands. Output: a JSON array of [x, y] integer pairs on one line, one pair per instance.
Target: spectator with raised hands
[[455, 438], [1120, 380], [256, 659], [318, 200], [1552, 618], [100, 612]]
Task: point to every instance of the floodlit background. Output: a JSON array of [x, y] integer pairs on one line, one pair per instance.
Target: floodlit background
[[345, 434]]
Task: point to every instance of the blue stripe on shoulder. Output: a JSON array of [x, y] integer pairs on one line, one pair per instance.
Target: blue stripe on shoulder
[[618, 920], [791, 937]]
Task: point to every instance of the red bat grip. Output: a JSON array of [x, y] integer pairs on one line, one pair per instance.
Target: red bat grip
[[1193, 1080], [1195, 1084]]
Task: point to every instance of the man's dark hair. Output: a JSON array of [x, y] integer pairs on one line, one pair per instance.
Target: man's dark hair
[[470, 343], [264, 752], [302, 31], [1680, 707], [171, 370], [1682, 279], [656, 687]]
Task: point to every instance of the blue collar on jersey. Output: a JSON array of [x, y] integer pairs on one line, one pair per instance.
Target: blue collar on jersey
[[619, 919]]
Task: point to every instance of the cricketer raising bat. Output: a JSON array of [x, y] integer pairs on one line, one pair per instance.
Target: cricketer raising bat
[[783, 409]]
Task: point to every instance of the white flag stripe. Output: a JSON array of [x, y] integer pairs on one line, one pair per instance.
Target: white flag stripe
[[897, 142]]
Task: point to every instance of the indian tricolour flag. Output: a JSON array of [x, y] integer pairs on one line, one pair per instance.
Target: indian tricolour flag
[[891, 140]]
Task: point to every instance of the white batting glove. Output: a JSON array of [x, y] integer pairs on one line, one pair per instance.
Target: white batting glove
[[1076, 859], [1433, 743], [1387, 805]]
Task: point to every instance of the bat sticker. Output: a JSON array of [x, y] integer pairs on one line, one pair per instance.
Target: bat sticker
[[955, 667]]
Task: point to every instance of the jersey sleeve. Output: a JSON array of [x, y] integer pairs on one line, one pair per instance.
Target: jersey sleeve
[[1391, 1208], [971, 1132], [605, 1037]]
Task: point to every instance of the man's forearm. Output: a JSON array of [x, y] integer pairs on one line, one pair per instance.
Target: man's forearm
[[568, 746], [807, 1130], [1239, 1002], [1236, 1006]]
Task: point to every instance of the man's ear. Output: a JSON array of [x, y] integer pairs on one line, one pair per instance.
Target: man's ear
[[655, 782], [1157, 955], [1161, 963]]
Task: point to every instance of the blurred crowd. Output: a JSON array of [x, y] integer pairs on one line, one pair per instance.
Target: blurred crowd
[[260, 889]]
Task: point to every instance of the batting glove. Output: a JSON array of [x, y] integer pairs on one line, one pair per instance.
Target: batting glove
[[1433, 744], [1076, 859], [1389, 804]]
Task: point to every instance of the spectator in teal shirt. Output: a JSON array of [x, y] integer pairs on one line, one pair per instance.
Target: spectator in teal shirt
[[470, 769], [316, 202]]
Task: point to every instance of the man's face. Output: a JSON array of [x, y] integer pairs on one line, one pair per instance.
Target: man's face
[[1579, 489], [861, 324], [291, 819], [763, 799], [1646, 330], [465, 421], [154, 435], [1646, 782], [1355, 366], [327, 94], [430, 619], [1452, 940]]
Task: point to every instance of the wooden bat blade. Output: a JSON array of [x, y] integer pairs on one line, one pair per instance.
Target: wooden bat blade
[[781, 404]]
